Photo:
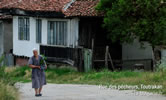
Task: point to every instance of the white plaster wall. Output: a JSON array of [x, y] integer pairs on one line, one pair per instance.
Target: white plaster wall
[[135, 52], [24, 47]]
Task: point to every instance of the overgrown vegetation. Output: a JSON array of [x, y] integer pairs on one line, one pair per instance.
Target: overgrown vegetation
[[103, 77], [1, 60], [7, 89]]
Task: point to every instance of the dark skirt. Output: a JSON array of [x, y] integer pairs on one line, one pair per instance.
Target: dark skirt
[[38, 78]]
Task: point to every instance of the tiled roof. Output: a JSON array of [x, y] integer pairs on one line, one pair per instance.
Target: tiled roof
[[35, 5], [77, 7], [82, 8], [5, 17]]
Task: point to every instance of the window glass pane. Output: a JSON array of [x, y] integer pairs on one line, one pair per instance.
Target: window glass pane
[[56, 29], [20, 35], [57, 32], [38, 30], [60, 33], [52, 32], [65, 33], [27, 28], [48, 35], [23, 28]]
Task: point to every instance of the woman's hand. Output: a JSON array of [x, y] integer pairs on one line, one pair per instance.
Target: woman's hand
[[46, 67], [33, 66], [38, 67]]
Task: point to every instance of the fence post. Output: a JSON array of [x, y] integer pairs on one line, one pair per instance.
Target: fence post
[[106, 56], [111, 62], [93, 53]]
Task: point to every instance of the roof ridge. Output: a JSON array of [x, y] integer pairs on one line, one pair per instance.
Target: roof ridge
[[68, 5]]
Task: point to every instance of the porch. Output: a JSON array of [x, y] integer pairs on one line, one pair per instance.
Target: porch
[[83, 59], [60, 54]]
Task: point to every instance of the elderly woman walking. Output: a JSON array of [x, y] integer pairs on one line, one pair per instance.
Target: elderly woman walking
[[38, 74]]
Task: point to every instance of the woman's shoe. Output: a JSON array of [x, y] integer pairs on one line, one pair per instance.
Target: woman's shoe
[[40, 94], [37, 95]]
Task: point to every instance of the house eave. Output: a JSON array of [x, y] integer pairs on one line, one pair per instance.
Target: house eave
[[20, 12], [84, 16]]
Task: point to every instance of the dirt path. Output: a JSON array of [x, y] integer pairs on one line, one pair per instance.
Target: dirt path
[[83, 92]]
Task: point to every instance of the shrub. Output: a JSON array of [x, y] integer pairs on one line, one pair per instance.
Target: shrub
[[161, 65], [1, 60], [8, 92], [7, 89]]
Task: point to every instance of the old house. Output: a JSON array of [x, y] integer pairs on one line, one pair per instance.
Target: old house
[[69, 31]]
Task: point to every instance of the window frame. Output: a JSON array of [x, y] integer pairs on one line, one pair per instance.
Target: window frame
[[24, 28], [65, 38]]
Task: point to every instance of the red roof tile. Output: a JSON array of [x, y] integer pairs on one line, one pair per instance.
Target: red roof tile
[[35, 5], [82, 8], [77, 8]]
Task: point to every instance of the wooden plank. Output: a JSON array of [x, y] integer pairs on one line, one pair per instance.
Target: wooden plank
[[81, 60], [87, 60], [99, 60], [106, 57], [92, 53], [111, 61]]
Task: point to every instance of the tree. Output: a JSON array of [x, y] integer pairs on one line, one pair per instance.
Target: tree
[[129, 19]]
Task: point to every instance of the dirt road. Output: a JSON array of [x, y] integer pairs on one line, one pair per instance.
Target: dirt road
[[83, 92]]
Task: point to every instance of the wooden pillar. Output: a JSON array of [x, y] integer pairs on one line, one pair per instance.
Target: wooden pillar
[[106, 56], [80, 61], [93, 53], [111, 62]]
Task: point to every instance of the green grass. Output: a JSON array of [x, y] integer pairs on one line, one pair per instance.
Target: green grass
[[7, 89], [103, 77], [8, 92]]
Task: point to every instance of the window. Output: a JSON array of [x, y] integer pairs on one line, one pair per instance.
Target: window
[[57, 33], [23, 28], [38, 30]]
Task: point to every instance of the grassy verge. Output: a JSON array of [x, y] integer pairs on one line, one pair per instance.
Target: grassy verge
[[7, 89], [8, 92], [103, 77]]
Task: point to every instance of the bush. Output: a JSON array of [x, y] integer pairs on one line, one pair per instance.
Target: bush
[[8, 92], [161, 65], [20, 71], [7, 89], [1, 60]]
